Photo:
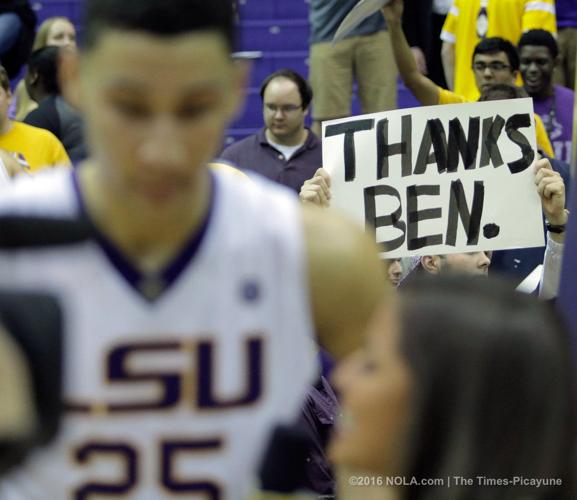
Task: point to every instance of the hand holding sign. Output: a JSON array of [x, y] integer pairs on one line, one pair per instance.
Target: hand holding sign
[[316, 190], [438, 180], [551, 189]]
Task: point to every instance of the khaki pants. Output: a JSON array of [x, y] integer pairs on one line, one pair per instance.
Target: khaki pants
[[565, 72], [368, 60]]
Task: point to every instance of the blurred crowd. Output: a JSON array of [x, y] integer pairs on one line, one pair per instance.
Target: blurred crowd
[[472, 379]]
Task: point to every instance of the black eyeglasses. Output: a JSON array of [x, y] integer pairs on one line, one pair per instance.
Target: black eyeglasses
[[493, 66], [285, 110]]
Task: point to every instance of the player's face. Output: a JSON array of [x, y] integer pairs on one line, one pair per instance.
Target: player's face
[[537, 65], [282, 107], [62, 34], [490, 69], [375, 385], [156, 108], [472, 263]]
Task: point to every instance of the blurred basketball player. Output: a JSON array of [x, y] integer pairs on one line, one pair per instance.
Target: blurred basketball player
[[190, 313]]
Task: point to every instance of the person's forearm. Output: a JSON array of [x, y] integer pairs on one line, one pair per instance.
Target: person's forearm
[[421, 87], [551, 276], [448, 57]]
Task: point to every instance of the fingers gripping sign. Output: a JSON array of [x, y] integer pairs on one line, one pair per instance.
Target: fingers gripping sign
[[317, 190], [551, 189]]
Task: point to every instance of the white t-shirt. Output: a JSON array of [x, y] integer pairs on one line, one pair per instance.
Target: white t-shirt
[[287, 151]]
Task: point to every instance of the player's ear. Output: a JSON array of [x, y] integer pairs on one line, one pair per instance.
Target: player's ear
[[431, 264], [68, 75], [240, 75]]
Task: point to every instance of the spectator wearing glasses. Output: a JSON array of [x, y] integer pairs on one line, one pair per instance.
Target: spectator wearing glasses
[[284, 150], [495, 60]]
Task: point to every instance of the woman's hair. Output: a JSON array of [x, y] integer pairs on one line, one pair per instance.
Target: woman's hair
[[494, 390], [41, 39], [44, 63]]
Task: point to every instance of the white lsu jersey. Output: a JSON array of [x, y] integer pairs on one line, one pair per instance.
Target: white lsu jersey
[[172, 382]]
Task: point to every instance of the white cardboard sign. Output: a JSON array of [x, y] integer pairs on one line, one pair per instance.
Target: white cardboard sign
[[439, 179]]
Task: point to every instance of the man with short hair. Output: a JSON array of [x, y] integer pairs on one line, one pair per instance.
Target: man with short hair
[[494, 60], [539, 54], [190, 312], [284, 151], [34, 148]]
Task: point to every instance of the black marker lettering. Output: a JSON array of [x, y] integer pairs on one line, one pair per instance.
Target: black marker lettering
[[373, 222], [434, 135], [349, 129], [458, 209], [465, 147], [514, 123], [492, 128], [386, 150], [414, 216]]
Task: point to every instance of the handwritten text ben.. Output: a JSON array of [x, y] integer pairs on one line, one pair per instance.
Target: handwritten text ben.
[[441, 148]]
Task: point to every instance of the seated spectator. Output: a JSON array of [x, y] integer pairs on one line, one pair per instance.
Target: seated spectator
[[33, 147], [550, 185], [394, 271], [53, 32], [539, 54], [285, 150], [470, 264], [470, 380], [53, 113], [495, 60]]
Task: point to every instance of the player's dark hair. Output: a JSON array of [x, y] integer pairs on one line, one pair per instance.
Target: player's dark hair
[[540, 38], [496, 44], [499, 91], [305, 90], [44, 62], [494, 389], [158, 17]]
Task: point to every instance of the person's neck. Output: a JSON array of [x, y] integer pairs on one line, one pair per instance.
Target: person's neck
[[545, 93], [293, 140], [150, 235]]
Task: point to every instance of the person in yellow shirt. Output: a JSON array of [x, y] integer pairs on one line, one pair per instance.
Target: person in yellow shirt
[[470, 21], [495, 60], [34, 148]]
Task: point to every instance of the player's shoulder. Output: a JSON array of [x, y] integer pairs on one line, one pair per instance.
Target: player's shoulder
[[49, 192], [223, 165], [250, 186], [333, 236]]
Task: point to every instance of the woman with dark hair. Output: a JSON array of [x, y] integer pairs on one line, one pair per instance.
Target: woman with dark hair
[[474, 389]]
